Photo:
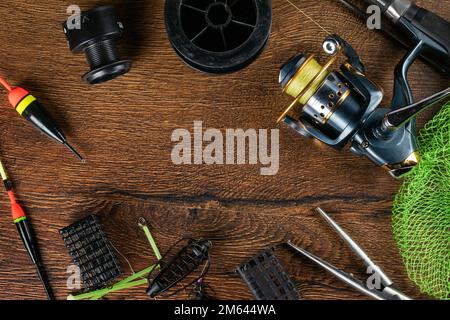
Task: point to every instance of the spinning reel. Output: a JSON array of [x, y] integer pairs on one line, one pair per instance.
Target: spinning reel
[[340, 108]]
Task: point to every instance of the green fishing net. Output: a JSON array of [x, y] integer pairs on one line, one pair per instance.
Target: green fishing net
[[421, 213]]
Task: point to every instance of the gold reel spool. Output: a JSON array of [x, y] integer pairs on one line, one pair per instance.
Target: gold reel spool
[[305, 82]]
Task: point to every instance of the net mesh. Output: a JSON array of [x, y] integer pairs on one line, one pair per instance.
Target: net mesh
[[421, 212]]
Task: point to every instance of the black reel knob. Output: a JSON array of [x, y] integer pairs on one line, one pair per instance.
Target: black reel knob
[[218, 36], [97, 36]]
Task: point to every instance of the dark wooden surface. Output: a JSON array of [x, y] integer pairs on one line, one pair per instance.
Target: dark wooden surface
[[124, 127]]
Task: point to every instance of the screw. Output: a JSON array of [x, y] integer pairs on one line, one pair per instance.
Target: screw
[[331, 46]]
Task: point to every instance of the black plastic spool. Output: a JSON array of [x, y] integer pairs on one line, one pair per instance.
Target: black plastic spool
[[97, 38], [218, 36]]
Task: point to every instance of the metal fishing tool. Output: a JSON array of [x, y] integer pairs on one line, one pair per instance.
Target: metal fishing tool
[[383, 289]]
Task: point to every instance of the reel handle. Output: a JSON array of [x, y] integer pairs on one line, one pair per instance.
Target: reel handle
[[399, 117]]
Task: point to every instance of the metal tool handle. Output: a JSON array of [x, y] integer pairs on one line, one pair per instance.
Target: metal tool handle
[[389, 291], [356, 248], [396, 293], [341, 275]]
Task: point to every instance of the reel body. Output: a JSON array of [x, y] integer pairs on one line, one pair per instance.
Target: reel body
[[341, 108]]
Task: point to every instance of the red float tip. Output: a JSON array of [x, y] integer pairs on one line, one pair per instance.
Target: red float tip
[[16, 95]]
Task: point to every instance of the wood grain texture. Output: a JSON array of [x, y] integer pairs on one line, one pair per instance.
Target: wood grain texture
[[124, 128]]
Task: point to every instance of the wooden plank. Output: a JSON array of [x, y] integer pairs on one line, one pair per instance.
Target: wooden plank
[[124, 128]]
